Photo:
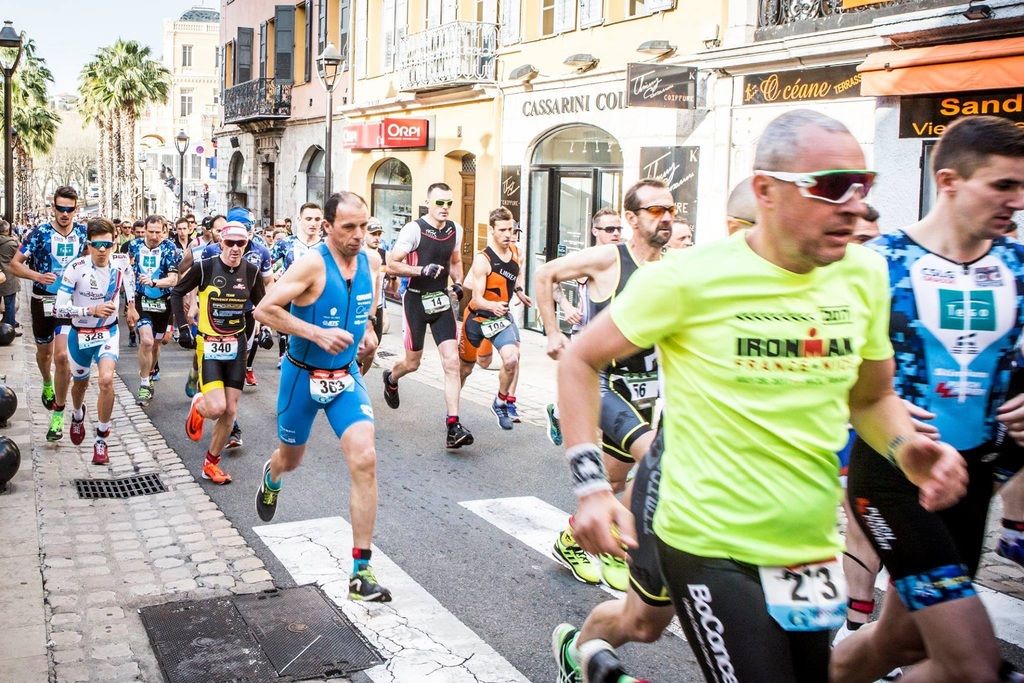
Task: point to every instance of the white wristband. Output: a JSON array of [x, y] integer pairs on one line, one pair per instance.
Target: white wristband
[[587, 468]]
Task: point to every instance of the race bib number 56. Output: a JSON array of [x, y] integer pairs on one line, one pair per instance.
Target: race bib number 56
[[807, 597]]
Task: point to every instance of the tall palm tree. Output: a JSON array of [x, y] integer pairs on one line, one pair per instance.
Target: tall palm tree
[[33, 122], [117, 85]]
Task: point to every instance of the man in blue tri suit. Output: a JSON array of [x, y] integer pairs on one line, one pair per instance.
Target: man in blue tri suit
[[44, 254], [331, 299], [155, 265], [957, 316]]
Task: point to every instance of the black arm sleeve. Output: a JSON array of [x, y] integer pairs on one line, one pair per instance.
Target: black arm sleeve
[[257, 290], [186, 283]]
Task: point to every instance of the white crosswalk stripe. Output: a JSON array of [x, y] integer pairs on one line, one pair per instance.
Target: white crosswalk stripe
[[419, 639]]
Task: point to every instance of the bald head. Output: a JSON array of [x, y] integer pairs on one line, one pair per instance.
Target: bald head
[[741, 209], [781, 144]]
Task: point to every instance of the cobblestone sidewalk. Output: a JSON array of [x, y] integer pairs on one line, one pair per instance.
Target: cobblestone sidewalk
[[100, 560]]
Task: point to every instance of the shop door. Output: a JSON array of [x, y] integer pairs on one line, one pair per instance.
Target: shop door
[[468, 219]]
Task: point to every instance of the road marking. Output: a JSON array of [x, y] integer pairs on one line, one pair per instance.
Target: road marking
[[419, 639], [536, 524]]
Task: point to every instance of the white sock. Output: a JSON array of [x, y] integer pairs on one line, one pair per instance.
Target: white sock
[[79, 413], [144, 381], [103, 427]]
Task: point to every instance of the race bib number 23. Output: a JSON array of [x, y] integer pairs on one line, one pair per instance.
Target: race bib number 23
[[807, 597]]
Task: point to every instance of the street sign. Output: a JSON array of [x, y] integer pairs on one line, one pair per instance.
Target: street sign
[[200, 149]]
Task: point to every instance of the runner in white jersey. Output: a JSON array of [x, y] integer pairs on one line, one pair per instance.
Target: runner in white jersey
[[90, 289]]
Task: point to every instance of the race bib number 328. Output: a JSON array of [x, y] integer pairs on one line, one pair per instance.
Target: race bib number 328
[[807, 597]]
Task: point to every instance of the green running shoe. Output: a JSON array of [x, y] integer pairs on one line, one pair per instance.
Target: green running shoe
[[363, 586], [56, 431], [614, 572], [563, 644], [145, 395], [554, 426], [192, 384], [49, 396], [266, 498], [569, 554]]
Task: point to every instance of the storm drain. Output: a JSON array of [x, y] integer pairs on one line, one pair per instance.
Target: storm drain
[[126, 487], [290, 634]]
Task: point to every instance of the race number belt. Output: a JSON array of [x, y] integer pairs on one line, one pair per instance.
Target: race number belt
[[642, 386], [807, 597], [492, 327], [220, 348], [327, 385], [90, 338], [48, 304], [154, 305], [435, 302]]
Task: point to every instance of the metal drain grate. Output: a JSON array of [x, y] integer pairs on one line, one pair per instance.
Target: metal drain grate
[[127, 487], [289, 635]]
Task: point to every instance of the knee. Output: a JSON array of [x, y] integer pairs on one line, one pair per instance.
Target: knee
[[106, 383], [511, 363], [60, 357], [451, 365], [363, 463], [645, 631], [145, 343], [213, 410]]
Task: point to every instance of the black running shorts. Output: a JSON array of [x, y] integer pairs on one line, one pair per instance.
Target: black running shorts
[[44, 328], [644, 572], [442, 324], [622, 423]]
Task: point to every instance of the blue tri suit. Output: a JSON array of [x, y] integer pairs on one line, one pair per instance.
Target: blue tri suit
[[344, 304]]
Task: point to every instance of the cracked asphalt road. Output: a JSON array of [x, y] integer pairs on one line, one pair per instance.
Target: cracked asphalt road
[[508, 594]]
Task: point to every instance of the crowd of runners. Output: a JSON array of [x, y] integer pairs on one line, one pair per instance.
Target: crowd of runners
[[712, 401]]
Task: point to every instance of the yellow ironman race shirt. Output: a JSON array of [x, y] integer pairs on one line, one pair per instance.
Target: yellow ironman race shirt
[[757, 364]]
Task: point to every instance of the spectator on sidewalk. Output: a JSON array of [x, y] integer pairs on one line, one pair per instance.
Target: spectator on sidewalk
[[8, 282]]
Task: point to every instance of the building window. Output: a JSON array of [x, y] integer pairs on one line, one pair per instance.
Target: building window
[[591, 13], [345, 10], [186, 102], [394, 25], [243, 57], [309, 40], [362, 39], [315, 177], [263, 50], [197, 166], [284, 43], [321, 30], [440, 12], [641, 8], [486, 11], [391, 197], [186, 55], [216, 57], [557, 16], [509, 17]]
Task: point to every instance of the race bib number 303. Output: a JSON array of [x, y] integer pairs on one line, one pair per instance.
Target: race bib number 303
[[807, 597], [327, 385], [435, 302], [220, 348]]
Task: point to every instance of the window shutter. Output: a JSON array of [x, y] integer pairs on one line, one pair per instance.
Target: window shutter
[[565, 15], [387, 29], [509, 19], [659, 5], [591, 12], [309, 41], [345, 10], [448, 11], [322, 27], [490, 11], [243, 57], [433, 13], [361, 38], [284, 43]]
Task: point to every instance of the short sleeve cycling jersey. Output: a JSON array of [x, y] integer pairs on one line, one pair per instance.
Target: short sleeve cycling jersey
[[287, 251], [154, 263], [83, 285], [48, 251], [954, 327], [225, 293]]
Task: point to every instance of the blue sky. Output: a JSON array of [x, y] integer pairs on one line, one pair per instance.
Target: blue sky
[[69, 32]]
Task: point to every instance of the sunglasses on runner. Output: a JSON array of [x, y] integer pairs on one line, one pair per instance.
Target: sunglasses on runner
[[611, 228], [834, 187], [443, 202], [64, 209], [659, 211], [234, 243], [101, 244]]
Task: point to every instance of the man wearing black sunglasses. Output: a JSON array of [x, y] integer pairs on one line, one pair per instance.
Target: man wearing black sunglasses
[[764, 358], [428, 251], [44, 254]]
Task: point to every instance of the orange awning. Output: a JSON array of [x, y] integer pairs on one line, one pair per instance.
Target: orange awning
[[987, 65]]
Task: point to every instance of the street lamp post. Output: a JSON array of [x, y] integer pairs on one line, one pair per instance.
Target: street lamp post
[[142, 176], [181, 144], [328, 65], [10, 55]]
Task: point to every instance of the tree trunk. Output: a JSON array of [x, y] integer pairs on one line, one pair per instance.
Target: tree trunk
[[103, 167], [132, 175]]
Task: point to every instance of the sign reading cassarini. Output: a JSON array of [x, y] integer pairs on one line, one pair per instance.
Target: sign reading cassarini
[[926, 116]]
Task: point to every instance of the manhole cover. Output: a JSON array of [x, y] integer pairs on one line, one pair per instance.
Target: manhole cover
[[126, 487], [291, 634]]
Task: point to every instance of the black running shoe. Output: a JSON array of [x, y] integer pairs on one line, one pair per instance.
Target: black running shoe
[[458, 436], [390, 391], [266, 499], [363, 586], [235, 438]]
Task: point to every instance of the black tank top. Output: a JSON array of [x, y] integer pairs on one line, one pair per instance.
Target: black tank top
[[436, 246], [644, 360]]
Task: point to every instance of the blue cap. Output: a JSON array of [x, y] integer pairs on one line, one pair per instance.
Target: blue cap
[[242, 215]]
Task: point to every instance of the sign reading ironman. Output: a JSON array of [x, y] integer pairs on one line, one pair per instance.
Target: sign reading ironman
[[926, 116]]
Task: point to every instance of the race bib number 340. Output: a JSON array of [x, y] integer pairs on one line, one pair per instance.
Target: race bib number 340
[[807, 597], [327, 385], [220, 348]]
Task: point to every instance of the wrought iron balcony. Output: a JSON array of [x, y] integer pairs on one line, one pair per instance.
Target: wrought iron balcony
[[446, 56], [780, 18], [258, 99]]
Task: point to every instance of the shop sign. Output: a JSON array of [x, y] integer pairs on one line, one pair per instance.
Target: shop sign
[[854, 4], [511, 189], [404, 133], [926, 116], [655, 85], [678, 167], [804, 85], [574, 104], [362, 136]]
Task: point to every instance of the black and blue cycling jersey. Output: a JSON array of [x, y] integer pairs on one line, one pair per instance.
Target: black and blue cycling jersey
[[47, 251], [954, 328]]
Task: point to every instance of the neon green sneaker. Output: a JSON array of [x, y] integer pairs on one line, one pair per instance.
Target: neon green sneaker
[[363, 586], [569, 554], [49, 396], [614, 572], [563, 647], [56, 431]]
